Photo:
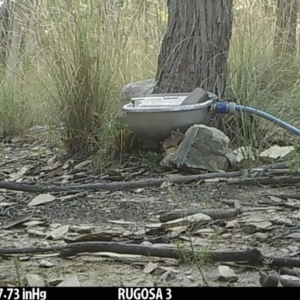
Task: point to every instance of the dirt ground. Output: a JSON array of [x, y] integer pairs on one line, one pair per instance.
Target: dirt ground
[[124, 214]]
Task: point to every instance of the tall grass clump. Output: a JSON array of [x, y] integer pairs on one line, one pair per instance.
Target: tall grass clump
[[92, 50], [83, 61], [258, 77], [84, 52], [21, 94], [15, 113]]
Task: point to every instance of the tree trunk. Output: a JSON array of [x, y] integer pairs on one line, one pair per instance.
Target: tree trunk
[[195, 47], [286, 25]]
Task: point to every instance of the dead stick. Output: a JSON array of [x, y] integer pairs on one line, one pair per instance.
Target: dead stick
[[253, 256], [295, 196], [112, 186], [31, 250], [266, 181], [280, 165]]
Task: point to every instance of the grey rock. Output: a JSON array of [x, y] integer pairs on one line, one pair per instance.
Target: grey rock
[[268, 280], [226, 274], [134, 90], [46, 264], [202, 149], [35, 280], [289, 281]]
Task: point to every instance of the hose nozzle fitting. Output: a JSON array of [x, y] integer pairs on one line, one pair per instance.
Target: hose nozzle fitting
[[223, 108]]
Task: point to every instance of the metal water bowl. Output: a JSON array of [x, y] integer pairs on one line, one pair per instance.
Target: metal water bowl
[[155, 116]]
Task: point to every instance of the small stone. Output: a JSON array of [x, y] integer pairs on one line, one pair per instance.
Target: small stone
[[46, 264], [150, 267], [35, 280], [227, 274], [232, 224], [58, 233], [260, 236], [268, 280], [227, 236]]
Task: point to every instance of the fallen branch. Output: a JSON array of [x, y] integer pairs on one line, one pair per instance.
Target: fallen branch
[[280, 165], [279, 181], [283, 171], [252, 257], [113, 186], [31, 250], [295, 196]]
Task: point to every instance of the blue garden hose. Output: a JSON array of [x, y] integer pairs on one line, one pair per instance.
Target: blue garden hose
[[231, 107]]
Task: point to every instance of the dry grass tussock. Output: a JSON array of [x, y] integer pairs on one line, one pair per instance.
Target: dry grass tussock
[[74, 58]]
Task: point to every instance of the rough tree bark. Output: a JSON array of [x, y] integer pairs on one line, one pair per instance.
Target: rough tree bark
[[195, 47], [286, 26]]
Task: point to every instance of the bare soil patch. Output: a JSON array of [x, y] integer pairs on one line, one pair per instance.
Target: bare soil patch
[[124, 214]]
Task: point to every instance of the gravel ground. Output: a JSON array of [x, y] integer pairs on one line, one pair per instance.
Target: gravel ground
[[125, 214]]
